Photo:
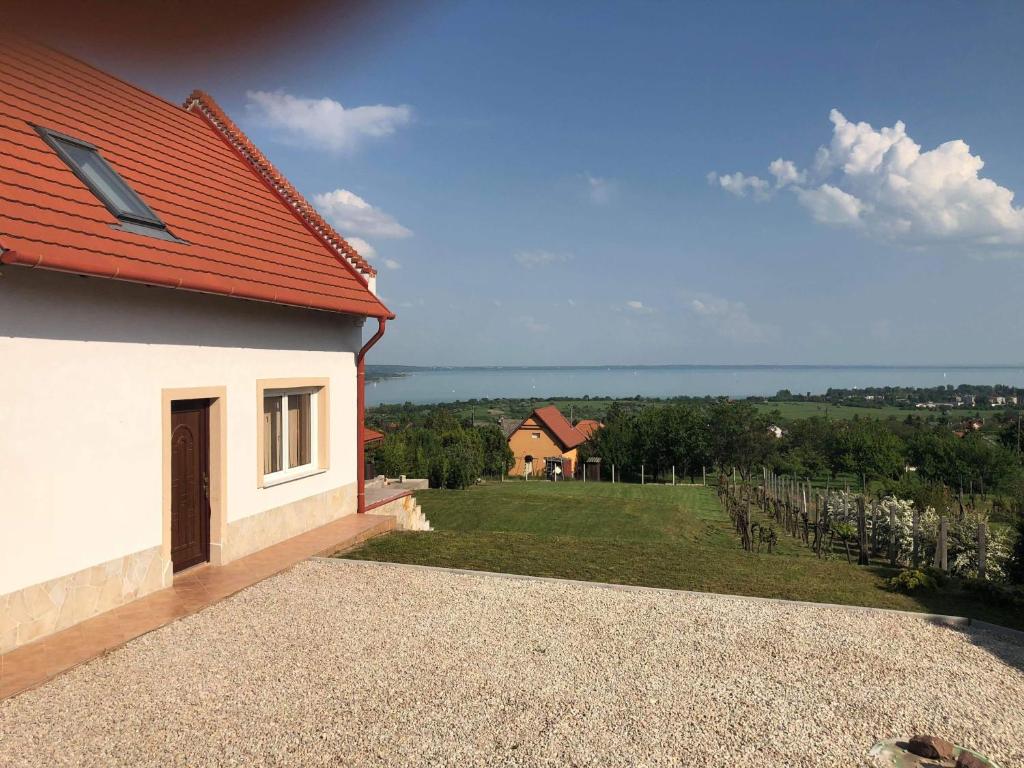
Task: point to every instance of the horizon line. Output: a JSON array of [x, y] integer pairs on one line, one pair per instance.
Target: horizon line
[[628, 366]]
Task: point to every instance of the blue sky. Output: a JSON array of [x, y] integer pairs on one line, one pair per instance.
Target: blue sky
[[538, 190]]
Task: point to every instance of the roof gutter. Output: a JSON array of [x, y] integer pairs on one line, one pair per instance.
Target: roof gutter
[[361, 415]]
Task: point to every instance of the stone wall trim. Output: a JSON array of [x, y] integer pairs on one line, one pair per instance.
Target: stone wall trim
[[42, 609]]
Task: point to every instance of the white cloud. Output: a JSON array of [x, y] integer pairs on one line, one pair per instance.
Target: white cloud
[[786, 173], [729, 319], [599, 190], [881, 181], [348, 212], [365, 250], [531, 324], [739, 185], [392, 264], [324, 123], [539, 259], [830, 205], [639, 307]]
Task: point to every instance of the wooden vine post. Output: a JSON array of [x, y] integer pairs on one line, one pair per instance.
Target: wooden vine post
[[915, 554], [892, 536], [862, 532], [874, 529], [941, 554]]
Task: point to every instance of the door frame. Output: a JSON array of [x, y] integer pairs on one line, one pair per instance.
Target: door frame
[[217, 397]]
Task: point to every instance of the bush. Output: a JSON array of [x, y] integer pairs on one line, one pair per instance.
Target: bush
[[443, 451], [993, 592], [1015, 566], [911, 581]]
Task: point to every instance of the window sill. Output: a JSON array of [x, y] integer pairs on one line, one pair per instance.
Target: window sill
[[280, 478]]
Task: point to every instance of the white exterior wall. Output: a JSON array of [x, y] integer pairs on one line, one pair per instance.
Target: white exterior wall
[[82, 365]]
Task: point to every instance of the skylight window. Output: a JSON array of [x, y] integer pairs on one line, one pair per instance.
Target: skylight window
[[124, 202]]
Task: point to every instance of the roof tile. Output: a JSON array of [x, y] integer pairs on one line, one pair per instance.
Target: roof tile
[[247, 232], [553, 419]]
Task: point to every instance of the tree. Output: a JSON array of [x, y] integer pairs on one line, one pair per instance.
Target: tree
[[934, 453], [960, 462], [446, 453], [873, 450], [806, 446], [616, 442], [391, 457], [987, 464], [692, 438], [739, 436], [497, 456]]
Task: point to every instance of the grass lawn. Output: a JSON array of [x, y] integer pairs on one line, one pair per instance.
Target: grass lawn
[[657, 536]]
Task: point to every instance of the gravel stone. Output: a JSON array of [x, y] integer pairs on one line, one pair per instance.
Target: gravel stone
[[933, 747], [339, 663]]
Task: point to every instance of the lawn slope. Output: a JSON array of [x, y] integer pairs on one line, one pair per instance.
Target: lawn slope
[[657, 536]]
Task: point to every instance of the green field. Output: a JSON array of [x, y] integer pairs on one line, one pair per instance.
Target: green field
[[489, 411], [790, 410], [658, 536]]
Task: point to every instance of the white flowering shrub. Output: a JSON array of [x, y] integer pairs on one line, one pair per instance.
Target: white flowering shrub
[[894, 518], [963, 547], [842, 506], [962, 540], [843, 509]]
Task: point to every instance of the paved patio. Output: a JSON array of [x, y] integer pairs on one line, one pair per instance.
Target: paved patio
[[349, 663]]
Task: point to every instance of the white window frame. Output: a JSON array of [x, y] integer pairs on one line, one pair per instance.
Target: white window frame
[[303, 470]]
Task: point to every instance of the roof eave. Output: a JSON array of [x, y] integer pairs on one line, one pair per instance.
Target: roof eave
[[169, 277]]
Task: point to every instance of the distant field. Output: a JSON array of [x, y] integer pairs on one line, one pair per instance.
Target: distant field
[[658, 536], [489, 412], [804, 410]]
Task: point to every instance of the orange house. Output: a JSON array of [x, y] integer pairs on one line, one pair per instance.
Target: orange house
[[542, 441]]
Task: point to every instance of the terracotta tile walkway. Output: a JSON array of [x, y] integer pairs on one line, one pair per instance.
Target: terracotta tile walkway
[[37, 662]]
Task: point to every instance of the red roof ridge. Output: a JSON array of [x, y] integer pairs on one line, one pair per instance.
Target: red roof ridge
[[209, 109]]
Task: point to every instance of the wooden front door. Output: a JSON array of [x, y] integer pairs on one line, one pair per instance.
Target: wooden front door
[[190, 482]]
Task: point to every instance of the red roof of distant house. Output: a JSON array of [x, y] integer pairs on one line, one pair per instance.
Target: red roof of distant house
[[247, 232], [371, 436], [587, 427], [553, 419]]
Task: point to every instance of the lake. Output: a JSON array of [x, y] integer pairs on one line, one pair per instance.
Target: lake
[[438, 385]]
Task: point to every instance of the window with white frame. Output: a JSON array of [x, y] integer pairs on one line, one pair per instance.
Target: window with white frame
[[289, 433]]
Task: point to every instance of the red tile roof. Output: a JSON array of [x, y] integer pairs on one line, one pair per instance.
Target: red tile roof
[[587, 427], [247, 232], [553, 419], [371, 435]]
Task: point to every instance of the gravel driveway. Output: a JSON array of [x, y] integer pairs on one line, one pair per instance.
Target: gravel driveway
[[344, 663]]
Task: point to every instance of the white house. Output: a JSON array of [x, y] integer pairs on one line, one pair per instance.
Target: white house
[[180, 346]]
